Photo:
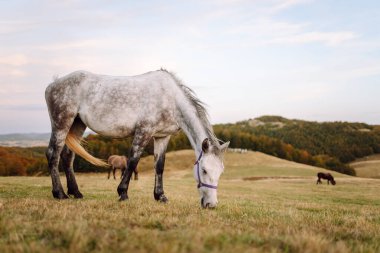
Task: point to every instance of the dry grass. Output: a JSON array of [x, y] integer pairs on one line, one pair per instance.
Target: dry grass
[[273, 215], [368, 167]]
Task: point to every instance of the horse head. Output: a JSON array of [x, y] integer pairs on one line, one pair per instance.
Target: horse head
[[207, 170]]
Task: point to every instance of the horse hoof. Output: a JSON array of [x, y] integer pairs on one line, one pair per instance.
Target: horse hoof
[[121, 190], [123, 196], [163, 199], [76, 193], [59, 195]]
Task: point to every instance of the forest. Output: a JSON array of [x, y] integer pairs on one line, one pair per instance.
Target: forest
[[330, 145]]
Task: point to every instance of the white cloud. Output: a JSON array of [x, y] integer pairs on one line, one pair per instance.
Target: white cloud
[[327, 38], [14, 60], [15, 26], [11, 72], [308, 91], [285, 4], [266, 27], [363, 71]]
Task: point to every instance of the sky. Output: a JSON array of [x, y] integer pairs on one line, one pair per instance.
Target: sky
[[313, 60]]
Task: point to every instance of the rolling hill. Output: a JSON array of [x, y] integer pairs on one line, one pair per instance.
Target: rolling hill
[[343, 140], [246, 166], [367, 167]]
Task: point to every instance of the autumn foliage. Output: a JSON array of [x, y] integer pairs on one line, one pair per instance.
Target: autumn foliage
[[22, 161]]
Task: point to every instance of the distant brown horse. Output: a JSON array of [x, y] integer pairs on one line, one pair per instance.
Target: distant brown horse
[[326, 176], [118, 162]]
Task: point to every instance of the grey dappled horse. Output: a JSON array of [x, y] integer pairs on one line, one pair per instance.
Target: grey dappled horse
[[152, 105]]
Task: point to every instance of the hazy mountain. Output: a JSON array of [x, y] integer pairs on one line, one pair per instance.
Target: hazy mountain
[[24, 139], [27, 139]]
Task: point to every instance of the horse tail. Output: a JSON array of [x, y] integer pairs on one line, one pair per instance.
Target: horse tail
[[74, 143]]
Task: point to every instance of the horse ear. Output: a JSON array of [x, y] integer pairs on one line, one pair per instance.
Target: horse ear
[[205, 145], [224, 147]]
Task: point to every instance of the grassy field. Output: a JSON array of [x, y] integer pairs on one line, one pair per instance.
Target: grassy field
[[367, 167], [265, 205]]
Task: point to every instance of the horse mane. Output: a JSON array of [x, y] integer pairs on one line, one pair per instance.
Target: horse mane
[[198, 105]]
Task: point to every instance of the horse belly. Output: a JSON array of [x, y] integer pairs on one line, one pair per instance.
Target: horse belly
[[111, 123]]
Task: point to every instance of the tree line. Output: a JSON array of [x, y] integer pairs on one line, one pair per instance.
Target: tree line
[[329, 145], [22, 161]]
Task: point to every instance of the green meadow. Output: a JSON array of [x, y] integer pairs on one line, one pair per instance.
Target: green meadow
[[265, 205]]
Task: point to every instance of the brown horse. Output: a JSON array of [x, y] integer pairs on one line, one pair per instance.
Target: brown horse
[[118, 162], [326, 176]]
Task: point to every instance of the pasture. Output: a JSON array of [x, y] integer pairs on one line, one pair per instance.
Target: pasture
[[367, 167], [265, 205]]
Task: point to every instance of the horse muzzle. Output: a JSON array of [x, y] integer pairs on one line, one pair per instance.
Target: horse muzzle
[[207, 204]]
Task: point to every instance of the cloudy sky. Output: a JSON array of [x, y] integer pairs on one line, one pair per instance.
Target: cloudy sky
[[315, 60]]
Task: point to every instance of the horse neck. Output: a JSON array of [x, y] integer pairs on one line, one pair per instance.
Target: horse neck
[[195, 131]]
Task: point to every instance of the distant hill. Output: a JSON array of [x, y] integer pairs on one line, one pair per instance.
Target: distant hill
[[330, 145], [27, 139], [343, 140], [368, 166], [24, 139]]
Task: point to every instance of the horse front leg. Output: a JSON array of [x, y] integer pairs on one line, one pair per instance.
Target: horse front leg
[[139, 143], [160, 145], [136, 174]]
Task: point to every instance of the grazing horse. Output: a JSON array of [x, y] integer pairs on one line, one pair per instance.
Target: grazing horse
[[119, 162], [152, 105], [326, 176]]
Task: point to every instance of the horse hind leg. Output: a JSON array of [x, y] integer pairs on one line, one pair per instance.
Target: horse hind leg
[[67, 160], [57, 141], [109, 173], [53, 152], [122, 172], [160, 145]]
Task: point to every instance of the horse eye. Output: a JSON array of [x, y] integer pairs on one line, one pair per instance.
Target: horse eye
[[204, 171]]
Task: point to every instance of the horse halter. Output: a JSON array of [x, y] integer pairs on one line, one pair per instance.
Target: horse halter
[[200, 184]]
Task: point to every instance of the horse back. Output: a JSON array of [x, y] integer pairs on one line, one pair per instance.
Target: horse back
[[117, 161], [327, 176], [118, 106]]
